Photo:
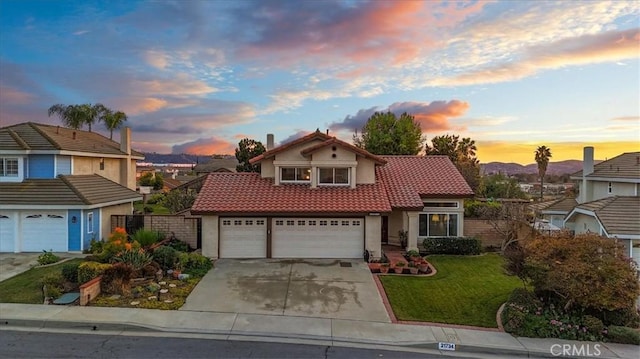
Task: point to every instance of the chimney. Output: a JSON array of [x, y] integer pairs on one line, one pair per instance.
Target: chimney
[[587, 169], [127, 169], [270, 141], [125, 140]]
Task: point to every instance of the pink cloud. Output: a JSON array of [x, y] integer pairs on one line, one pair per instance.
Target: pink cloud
[[205, 146], [433, 116], [9, 95], [392, 33]]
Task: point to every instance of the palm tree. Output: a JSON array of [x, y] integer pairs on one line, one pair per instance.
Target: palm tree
[[68, 114], [76, 116], [543, 154], [91, 113], [112, 120]]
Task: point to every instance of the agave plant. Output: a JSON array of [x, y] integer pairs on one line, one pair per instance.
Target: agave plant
[[136, 258]]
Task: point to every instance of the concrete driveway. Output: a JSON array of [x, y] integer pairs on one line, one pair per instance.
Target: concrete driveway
[[12, 264], [323, 288]]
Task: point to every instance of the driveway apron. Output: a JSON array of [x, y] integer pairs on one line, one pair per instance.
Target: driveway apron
[[322, 288]]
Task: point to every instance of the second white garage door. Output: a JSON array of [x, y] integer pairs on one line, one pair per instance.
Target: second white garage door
[[243, 237], [317, 238]]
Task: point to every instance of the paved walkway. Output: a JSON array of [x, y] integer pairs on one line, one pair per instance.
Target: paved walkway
[[276, 328]]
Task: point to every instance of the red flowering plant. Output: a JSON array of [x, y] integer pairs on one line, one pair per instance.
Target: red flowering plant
[[117, 243]]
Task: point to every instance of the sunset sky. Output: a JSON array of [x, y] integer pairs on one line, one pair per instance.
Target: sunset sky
[[198, 76]]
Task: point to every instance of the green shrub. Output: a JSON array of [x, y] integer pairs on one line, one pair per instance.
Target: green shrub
[[54, 283], [478, 209], [156, 198], [179, 245], [622, 317], [146, 238], [197, 265], [95, 246], [165, 256], [182, 261], [452, 245], [89, 270], [136, 258], [47, 258], [592, 324], [623, 335], [70, 272]]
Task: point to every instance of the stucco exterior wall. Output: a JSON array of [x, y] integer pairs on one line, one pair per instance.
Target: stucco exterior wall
[[372, 235], [601, 189], [366, 171], [105, 218], [584, 224], [267, 170], [395, 224], [91, 165], [210, 238]]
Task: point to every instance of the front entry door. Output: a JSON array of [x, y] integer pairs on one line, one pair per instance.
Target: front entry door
[[385, 229]]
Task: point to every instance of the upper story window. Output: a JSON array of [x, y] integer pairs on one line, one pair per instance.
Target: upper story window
[[333, 176], [295, 174], [9, 167]]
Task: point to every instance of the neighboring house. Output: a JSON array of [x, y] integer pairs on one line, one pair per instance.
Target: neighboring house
[[226, 164], [554, 212], [320, 197], [609, 200], [613, 217], [60, 186], [619, 176]]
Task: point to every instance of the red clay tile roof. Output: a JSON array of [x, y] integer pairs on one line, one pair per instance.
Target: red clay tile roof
[[409, 178], [312, 136], [345, 145], [249, 193]]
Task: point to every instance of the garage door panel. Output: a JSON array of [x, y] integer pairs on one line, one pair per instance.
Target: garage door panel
[[44, 231], [243, 237], [318, 238], [7, 231]]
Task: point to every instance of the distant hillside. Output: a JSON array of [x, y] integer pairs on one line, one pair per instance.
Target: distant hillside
[[175, 158], [554, 168]]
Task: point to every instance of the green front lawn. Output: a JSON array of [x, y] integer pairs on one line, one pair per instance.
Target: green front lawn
[[466, 290], [27, 287]]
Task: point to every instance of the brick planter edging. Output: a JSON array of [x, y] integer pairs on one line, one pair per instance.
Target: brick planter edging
[[90, 290]]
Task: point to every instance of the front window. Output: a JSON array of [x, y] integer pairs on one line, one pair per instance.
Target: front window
[[8, 167], [438, 225], [333, 176], [295, 174], [89, 222]]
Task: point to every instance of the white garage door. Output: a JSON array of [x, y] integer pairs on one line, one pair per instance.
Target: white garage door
[[243, 237], [318, 238], [44, 230], [7, 231]]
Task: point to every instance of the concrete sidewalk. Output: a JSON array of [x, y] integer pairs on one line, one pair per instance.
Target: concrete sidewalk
[[285, 328]]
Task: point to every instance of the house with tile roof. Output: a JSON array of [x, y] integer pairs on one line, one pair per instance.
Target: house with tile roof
[[320, 197], [60, 186], [609, 199]]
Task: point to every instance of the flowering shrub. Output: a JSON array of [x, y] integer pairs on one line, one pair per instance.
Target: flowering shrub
[[116, 243], [527, 316]]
